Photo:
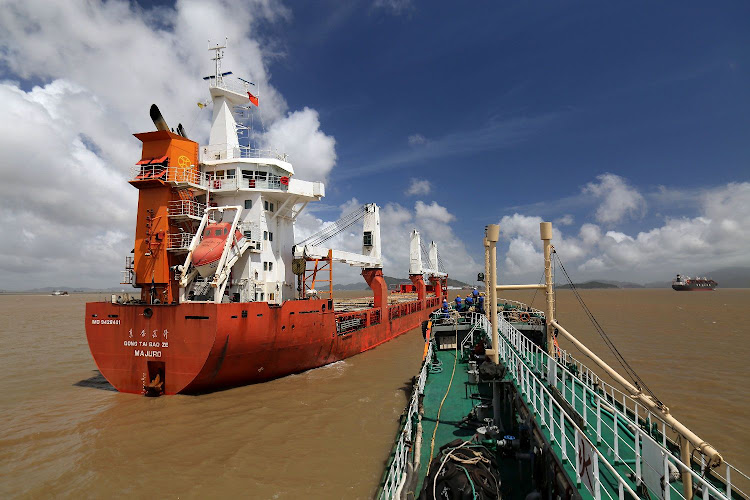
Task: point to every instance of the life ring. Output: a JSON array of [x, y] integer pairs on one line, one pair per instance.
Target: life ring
[[524, 316], [217, 184]]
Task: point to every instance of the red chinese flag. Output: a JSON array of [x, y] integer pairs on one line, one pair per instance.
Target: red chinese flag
[[252, 98]]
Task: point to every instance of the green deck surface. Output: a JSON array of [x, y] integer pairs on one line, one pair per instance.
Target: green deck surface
[[455, 408], [459, 403]]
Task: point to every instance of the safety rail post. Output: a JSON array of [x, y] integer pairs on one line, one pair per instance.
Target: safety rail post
[[666, 476], [576, 439], [638, 455], [598, 421], [597, 482]]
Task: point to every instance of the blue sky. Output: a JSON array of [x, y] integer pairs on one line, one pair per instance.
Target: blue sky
[[626, 125], [522, 102]]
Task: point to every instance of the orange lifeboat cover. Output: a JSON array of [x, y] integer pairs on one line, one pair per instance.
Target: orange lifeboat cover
[[212, 243]]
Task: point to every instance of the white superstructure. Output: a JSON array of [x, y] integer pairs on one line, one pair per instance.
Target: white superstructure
[[262, 185]]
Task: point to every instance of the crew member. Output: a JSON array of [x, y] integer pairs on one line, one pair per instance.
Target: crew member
[[480, 304], [459, 305], [469, 303], [446, 310]]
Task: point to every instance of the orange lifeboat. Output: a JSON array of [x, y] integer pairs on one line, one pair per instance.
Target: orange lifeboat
[[208, 252]]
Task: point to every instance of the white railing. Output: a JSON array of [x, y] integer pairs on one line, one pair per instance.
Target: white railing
[[228, 151], [520, 305], [179, 241], [231, 85], [185, 208], [271, 182], [632, 408], [538, 365], [397, 470], [544, 404], [221, 183]]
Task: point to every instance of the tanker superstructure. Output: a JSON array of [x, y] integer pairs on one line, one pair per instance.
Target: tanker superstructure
[[226, 297]]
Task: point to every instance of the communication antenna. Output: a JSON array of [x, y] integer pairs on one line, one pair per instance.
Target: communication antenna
[[218, 55]]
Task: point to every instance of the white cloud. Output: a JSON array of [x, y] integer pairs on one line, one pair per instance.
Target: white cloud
[[565, 220], [417, 139], [419, 187], [718, 237], [618, 199], [521, 258], [312, 152], [67, 143]]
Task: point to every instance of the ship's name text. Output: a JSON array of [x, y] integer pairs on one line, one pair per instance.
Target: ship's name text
[[148, 354]]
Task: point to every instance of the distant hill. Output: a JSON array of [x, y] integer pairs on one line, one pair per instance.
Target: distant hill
[[392, 283], [590, 284], [620, 284]]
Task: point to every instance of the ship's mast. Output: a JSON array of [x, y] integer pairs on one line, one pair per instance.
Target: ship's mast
[[218, 55]]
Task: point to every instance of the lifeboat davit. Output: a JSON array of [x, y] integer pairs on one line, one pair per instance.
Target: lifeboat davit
[[208, 252]]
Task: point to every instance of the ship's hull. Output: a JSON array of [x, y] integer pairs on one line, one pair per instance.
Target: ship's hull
[[690, 288], [199, 347]]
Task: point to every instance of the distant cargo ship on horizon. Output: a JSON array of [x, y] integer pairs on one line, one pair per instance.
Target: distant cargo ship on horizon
[[688, 284]]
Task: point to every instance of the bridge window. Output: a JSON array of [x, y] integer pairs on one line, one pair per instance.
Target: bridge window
[[248, 235], [270, 236], [270, 266], [265, 235], [248, 204], [265, 266]]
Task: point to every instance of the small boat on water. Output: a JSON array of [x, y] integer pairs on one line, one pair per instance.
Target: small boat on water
[[59, 293], [500, 410]]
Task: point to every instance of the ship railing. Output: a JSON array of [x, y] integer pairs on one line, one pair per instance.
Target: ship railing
[[185, 208], [518, 307], [398, 310], [128, 274], [637, 412], [593, 401], [348, 322], [179, 241], [579, 452], [397, 470], [271, 182], [238, 87], [173, 174], [232, 151]]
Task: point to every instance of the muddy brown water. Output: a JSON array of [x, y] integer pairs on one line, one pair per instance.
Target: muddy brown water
[[321, 434]]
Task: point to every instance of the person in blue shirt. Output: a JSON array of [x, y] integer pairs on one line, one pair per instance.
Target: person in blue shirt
[[446, 309], [475, 293], [480, 304], [459, 305], [469, 302]]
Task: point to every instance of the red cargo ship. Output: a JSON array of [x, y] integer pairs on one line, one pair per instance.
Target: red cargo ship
[[216, 265]]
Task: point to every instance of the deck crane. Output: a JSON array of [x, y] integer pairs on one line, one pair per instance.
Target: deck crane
[[311, 250], [370, 258], [417, 270]]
